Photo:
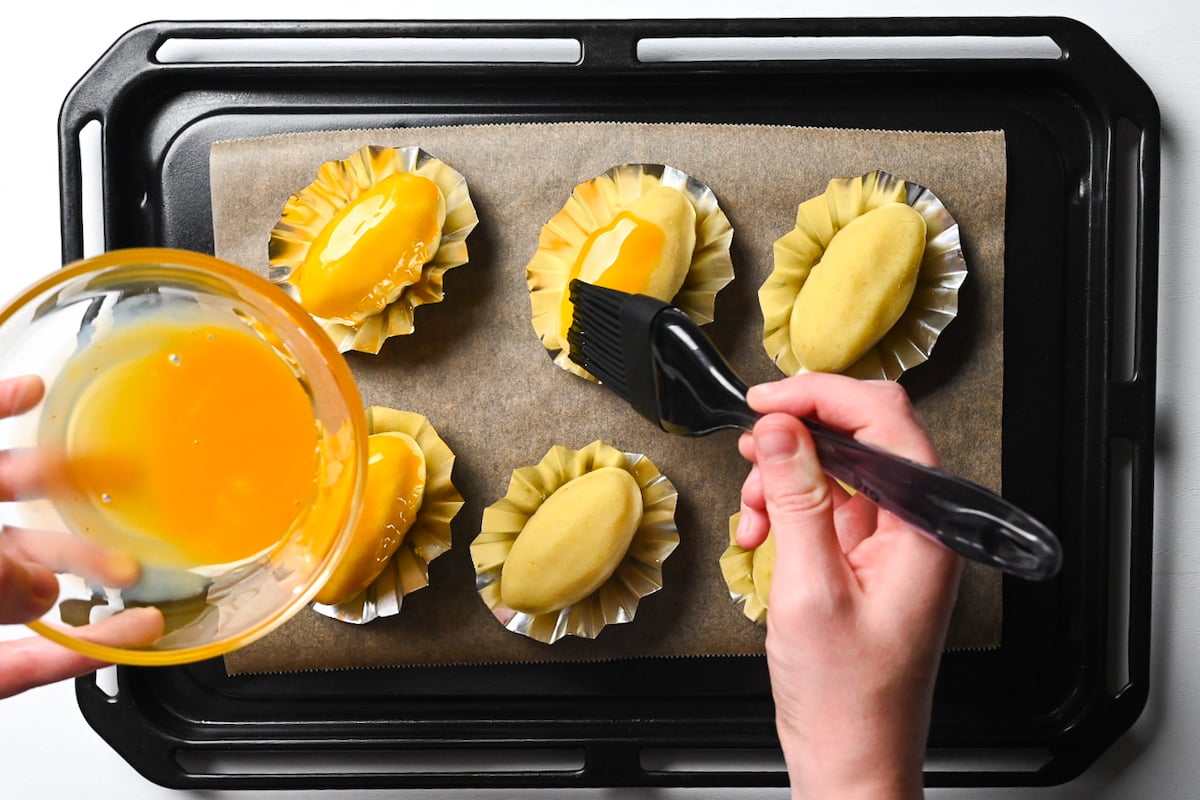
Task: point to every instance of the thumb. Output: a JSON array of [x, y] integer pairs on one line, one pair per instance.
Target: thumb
[[799, 504], [26, 590]]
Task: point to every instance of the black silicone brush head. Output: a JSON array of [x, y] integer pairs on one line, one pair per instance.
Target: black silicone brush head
[[611, 336], [650, 353], [594, 337]]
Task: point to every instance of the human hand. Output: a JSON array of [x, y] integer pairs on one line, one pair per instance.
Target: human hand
[[28, 585], [859, 601]]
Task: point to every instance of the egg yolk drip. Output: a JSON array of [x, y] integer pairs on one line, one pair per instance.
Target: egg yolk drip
[[394, 491], [187, 444], [372, 248]]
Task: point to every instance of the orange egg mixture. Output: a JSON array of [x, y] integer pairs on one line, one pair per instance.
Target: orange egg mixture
[[372, 248], [184, 444], [622, 255], [645, 249]]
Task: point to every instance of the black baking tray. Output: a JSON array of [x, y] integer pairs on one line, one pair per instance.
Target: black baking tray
[[1082, 132]]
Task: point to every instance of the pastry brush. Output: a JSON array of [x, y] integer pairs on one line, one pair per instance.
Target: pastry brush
[[657, 359]]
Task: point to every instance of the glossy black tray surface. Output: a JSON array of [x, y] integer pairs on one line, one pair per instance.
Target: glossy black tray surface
[[1082, 133]]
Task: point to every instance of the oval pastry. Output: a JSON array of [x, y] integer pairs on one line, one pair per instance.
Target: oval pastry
[[372, 249], [370, 240], [395, 487], [645, 249], [859, 288], [573, 543], [404, 524], [865, 313], [640, 228], [576, 542]]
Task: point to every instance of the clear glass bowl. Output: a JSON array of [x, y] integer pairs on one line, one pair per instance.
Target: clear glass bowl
[[211, 604]]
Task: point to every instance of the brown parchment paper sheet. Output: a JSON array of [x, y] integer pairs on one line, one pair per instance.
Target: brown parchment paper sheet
[[475, 367]]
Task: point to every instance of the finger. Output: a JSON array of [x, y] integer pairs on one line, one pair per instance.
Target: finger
[[753, 523], [65, 552], [753, 527], [18, 395], [752, 490], [27, 590], [22, 474], [855, 518], [878, 412], [36, 661], [746, 446], [133, 627], [800, 507]]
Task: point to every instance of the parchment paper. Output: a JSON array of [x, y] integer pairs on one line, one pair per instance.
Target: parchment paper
[[476, 369]]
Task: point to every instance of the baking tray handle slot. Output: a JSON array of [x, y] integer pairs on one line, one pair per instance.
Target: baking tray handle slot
[[1133, 179], [845, 48], [414, 762], [326, 50], [81, 192]]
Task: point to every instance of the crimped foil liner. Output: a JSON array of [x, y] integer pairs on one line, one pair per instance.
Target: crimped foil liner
[[429, 537], [737, 568], [591, 206], [339, 183], [934, 302], [639, 574]]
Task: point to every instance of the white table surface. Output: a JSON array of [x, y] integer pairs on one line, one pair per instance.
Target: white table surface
[[48, 750]]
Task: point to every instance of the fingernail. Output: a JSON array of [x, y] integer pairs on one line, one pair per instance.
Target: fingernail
[[758, 391], [776, 444]]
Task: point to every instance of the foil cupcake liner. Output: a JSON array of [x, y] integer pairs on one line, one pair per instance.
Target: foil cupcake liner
[[737, 568], [430, 535], [638, 575], [339, 183], [591, 206], [934, 303]]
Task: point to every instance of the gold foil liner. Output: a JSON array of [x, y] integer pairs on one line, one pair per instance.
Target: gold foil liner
[[591, 206], [934, 302], [429, 537], [639, 574], [339, 183], [737, 568]]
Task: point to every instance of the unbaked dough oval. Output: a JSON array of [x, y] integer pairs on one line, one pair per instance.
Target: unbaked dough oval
[[859, 288], [573, 542]]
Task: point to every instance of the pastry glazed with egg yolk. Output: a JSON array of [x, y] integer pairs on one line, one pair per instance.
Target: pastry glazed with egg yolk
[[395, 489], [372, 249], [645, 249], [185, 444]]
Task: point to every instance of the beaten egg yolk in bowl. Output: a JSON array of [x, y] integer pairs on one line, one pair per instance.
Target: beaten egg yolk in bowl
[[196, 423]]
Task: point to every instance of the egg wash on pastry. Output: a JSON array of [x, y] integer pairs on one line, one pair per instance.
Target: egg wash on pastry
[[372, 248], [645, 249]]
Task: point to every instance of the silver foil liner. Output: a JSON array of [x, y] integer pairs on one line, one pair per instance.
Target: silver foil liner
[[737, 568], [638, 575], [405, 572], [934, 303], [430, 535], [339, 184], [593, 205]]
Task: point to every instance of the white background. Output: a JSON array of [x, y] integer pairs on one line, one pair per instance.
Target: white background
[[46, 748]]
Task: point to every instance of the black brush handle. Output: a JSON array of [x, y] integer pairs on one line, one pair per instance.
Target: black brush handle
[[698, 393], [972, 521]]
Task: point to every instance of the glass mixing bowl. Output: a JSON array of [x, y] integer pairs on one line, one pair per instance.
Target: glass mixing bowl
[[102, 488]]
